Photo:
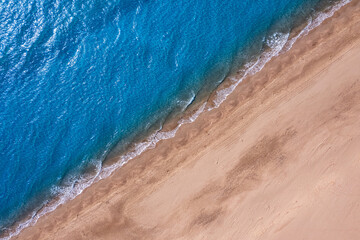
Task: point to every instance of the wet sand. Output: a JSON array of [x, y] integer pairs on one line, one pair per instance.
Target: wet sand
[[279, 159]]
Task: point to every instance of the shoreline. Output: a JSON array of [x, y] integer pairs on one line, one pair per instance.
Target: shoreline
[[278, 43], [138, 165]]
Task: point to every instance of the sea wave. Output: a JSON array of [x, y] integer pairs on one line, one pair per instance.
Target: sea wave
[[277, 43]]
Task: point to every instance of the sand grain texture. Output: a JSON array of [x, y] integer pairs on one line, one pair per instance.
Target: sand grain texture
[[279, 159]]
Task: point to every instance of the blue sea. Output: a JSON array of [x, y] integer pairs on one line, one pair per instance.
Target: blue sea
[[79, 78]]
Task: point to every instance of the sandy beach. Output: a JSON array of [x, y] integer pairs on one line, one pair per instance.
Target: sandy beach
[[279, 159]]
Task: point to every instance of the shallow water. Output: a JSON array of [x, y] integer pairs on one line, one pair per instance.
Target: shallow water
[[81, 77]]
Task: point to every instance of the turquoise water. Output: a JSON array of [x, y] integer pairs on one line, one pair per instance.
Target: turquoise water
[[78, 77]]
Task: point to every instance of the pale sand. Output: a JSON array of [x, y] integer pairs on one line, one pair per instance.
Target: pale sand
[[280, 159]]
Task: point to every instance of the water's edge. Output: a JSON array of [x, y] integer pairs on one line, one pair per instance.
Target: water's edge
[[277, 44]]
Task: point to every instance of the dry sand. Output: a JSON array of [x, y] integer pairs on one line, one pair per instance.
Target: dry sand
[[280, 159]]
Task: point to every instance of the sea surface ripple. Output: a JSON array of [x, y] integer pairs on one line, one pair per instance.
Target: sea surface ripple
[[78, 78]]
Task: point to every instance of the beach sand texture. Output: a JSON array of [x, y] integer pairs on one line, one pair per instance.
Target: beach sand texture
[[279, 159]]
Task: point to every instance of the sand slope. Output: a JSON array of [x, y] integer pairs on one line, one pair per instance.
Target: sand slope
[[280, 159]]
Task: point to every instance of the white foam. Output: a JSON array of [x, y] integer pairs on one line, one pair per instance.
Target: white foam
[[149, 143], [316, 21], [278, 43]]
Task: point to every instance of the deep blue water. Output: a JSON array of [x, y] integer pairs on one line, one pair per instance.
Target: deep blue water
[[77, 77]]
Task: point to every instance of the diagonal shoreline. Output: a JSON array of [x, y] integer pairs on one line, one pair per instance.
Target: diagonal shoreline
[[130, 189]]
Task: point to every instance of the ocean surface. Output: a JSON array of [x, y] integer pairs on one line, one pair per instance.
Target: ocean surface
[[79, 78]]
